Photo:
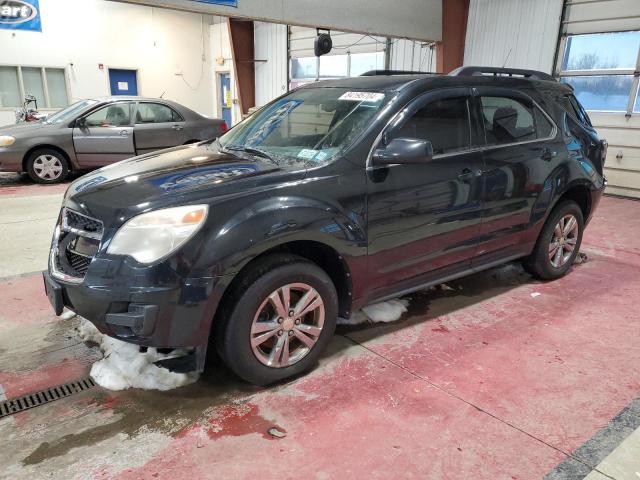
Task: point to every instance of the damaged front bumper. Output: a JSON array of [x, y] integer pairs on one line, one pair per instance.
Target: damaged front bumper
[[148, 306]]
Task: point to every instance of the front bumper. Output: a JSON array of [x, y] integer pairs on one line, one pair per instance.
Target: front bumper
[[11, 159], [149, 306]]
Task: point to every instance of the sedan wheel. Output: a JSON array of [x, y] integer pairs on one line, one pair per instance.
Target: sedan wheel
[[287, 325], [564, 240], [48, 167]]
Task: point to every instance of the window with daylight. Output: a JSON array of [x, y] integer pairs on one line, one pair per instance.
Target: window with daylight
[[304, 69], [600, 68], [48, 85]]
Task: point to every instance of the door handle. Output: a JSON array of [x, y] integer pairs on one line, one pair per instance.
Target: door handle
[[547, 154], [124, 133], [177, 127], [468, 175]]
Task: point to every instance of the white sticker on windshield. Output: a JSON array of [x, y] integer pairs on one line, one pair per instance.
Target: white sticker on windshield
[[307, 153], [362, 96]]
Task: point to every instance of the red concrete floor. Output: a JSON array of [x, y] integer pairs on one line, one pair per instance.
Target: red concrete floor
[[499, 378]]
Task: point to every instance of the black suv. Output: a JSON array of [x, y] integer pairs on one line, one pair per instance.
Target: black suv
[[334, 196]]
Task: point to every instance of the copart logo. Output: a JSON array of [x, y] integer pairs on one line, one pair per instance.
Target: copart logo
[[16, 11]]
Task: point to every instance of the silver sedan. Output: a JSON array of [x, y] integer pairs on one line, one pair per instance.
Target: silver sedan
[[96, 132]]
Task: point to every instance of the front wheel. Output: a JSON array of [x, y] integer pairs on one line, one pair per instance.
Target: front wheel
[[281, 323], [558, 243], [47, 166]]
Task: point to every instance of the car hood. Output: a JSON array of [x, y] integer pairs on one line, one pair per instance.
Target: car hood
[[27, 129], [170, 177]]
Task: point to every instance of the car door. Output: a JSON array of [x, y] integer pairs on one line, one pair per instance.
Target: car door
[[424, 219], [105, 135], [520, 148], [158, 126]]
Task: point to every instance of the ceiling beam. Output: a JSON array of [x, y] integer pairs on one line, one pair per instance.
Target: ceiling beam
[[412, 19]]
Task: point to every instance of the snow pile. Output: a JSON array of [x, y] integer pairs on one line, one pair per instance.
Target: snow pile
[[125, 366], [384, 312]]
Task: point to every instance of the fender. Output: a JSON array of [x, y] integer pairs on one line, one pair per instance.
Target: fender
[[556, 186], [277, 220]]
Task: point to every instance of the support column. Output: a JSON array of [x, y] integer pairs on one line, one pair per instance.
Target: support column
[[450, 51], [243, 55]]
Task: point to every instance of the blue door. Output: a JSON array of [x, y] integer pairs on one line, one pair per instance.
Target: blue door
[[224, 98], [123, 82]]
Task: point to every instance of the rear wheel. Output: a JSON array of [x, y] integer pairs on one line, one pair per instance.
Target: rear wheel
[[281, 323], [47, 166], [558, 243]]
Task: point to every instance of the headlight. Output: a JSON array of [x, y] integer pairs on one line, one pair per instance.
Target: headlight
[[153, 235], [6, 140]]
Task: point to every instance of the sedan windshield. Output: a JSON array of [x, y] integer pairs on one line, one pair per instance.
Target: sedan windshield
[[69, 113], [310, 124]]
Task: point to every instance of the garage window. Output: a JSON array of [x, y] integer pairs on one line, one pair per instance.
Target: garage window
[[304, 69], [600, 67], [48, 85]]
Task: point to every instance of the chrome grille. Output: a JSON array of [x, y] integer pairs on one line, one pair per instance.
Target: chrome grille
[[81, 224], [75, 242]]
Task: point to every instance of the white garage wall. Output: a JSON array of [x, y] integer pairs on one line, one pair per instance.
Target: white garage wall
[[80, 34], [513, 33]]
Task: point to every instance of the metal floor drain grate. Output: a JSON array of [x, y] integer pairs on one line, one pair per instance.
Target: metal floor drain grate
[[48, 395]]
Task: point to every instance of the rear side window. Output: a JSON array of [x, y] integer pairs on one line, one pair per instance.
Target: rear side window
[[509, 120], [570, 104], [445, 123], [156, 113]]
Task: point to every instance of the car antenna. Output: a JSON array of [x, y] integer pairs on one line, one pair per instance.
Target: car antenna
[[507, 58], [163, 94]]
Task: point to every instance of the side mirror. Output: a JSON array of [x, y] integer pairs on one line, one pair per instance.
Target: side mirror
[[81, 122], [404, 150]]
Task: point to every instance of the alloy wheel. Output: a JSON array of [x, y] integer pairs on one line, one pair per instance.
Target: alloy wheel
[[47, 167], [563, 241], [287, 325]]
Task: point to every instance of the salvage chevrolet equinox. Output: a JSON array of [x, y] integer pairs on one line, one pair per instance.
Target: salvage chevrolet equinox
[[336, 195]]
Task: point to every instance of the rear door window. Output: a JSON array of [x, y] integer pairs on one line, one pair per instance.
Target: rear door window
[[510, 120], [156, 113]]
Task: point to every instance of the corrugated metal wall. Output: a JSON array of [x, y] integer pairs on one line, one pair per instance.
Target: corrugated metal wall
[[271, 76], [513, 33]]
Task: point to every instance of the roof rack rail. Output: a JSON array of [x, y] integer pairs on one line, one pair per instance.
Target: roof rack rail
[[497, 71], [373, 73]]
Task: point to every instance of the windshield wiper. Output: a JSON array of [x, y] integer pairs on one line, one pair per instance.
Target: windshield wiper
[[252, 150]]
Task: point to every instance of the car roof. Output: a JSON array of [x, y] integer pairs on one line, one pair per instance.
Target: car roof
[[400, 81], [373, 82], [114, 98]]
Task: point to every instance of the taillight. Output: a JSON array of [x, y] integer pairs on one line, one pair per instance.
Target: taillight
[[224, 127]]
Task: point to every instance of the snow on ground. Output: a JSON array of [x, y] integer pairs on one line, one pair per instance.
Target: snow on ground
[[125, 366], [388, 311]]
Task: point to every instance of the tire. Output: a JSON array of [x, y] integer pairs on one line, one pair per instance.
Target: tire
[[46, 165], [540, 264], [251, 314]]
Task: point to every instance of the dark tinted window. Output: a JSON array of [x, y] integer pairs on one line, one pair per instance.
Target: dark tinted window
[[509, 120], [445, 123]]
